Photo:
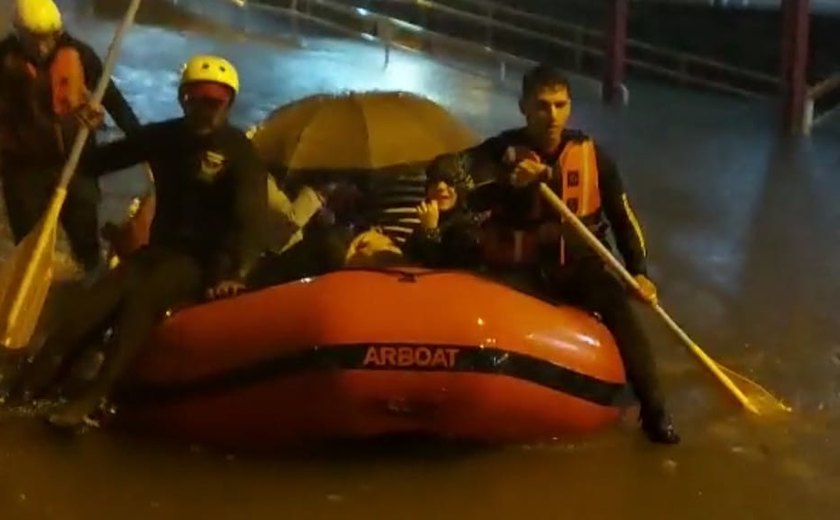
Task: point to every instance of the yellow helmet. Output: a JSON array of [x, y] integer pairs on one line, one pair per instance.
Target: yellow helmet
[[210, 68], [38, 16]]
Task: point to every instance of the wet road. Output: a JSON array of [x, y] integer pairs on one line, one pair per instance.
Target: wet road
[[743, 231]]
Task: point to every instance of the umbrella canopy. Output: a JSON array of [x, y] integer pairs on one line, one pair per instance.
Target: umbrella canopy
[[358, 132], [378, 141]]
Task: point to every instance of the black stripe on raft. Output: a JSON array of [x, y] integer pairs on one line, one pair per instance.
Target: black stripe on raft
[[405, 357]]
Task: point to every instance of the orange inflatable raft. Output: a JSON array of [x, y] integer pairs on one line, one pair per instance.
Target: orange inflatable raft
[[362, 353]]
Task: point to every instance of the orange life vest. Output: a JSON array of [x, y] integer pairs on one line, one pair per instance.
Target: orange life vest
[[576, 175], [67, 80], [23, 133]]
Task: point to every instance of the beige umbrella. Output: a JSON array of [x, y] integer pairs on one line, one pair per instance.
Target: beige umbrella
[[358, 132], [378, 141]]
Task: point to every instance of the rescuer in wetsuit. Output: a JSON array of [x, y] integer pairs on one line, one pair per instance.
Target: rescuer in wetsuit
[[208, 231], [524, 233], [45, 77]]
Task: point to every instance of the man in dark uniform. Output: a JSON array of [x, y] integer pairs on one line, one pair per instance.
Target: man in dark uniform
[[207, 233], [46, 75], [524, 234]]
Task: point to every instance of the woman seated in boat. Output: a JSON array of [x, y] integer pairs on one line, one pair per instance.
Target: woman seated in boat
[[447, 237], [448, 233]]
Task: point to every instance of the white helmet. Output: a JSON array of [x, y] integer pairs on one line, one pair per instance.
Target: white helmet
[[38, 16]]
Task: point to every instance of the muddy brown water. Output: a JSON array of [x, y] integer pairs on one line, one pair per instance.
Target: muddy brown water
[[744, 235]]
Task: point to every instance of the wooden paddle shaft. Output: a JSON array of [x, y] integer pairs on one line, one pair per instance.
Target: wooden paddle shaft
[[30, 294], [619, 268], [587, 235], [98, 93]]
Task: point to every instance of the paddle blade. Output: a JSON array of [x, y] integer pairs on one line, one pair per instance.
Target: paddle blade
[[762, 400], [25, 279]]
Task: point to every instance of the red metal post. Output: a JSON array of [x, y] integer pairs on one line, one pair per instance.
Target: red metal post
[[787, 39], [615, 52], [794, 66]]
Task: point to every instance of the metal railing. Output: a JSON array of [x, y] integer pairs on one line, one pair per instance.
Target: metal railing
[[826, 91], [687, 68], [393, 32], [682, 67], [583, 43], [497, 26]]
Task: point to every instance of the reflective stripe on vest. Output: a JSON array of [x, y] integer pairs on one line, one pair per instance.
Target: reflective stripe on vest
[[67, 81]]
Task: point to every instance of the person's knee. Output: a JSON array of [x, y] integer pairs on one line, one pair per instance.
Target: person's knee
[[150, 301], [130, 273], [168, 280]]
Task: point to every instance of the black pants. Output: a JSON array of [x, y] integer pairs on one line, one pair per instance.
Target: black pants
[[592, 287], [133, 298], [27, 193]]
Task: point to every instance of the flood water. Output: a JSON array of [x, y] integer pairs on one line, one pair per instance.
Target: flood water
[[743, 231]]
